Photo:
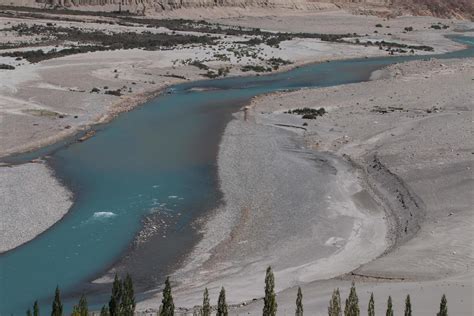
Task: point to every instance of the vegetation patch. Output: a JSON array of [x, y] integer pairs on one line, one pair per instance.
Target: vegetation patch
[[221, 72], [116, 93], [7, 67], [308, 113], [99, 41], [256, 68]]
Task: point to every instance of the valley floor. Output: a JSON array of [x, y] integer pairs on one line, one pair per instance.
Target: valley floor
[[407, 135]]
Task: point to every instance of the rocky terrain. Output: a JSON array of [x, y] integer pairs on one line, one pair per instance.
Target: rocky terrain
[[438, 8]]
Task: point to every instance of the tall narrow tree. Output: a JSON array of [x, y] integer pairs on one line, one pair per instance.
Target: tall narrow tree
[[116, 297], [104, 311], [407, 306], [389, 307], [299, 303], [335, 308], [57, 305], [443, 307], [167, 304], [269, 302], [36, 311], [28, 312], [352, 303], [75, 311], [221, 304], [127, 305], [81, 309], [371, 309], [206, 305]]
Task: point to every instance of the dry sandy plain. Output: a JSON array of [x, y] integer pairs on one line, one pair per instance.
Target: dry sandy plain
[[413, 165]]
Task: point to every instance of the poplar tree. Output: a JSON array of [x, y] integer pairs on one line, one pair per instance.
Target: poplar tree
[[104, 311], [371, 309], [36, 309], [127, 305], [389, 307], [299, 303], [335, 308], [75, 311], [28, 312], [407, 306], [221, 304], [57, 305], [352, 303], [81, 309], [269, 302], [115, 299], [206, 306], [443, 307], [167, 305]]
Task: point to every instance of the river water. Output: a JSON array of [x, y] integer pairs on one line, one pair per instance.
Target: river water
[[159, 160]]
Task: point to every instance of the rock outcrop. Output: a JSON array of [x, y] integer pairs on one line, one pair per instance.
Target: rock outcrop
[[439, 8], [163, 5]]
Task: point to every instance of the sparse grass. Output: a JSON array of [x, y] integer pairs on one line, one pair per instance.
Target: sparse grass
[[42, 112]]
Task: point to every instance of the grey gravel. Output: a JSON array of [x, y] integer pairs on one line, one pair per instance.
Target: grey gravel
[[28, 209]]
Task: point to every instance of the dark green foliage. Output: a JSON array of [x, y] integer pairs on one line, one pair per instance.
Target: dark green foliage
[[335, 308], [269, 302], [167, 304], [371, 308], [75, 311], [116, 93], [206, 306], [116, 297], [28, 312], [255, 68], [407, 306], [443, 307], [7, 67], [99, 41], [439, 26], [81, 309], [127, 305], [104, 311], [352, 303], [277, 62], [392, 46], [308, 113], [221, 304], [389, 307], [57, 305], [36, 311], [299, 303]]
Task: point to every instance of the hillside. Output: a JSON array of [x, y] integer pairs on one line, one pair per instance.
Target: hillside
[[440, 8]]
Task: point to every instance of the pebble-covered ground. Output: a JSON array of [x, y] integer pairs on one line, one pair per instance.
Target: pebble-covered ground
[[28, 209]]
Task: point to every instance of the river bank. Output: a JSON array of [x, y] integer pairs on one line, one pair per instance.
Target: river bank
[[410, 135], [37, 203]]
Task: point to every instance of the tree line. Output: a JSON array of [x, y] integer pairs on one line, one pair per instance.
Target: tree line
[[122, 302]]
